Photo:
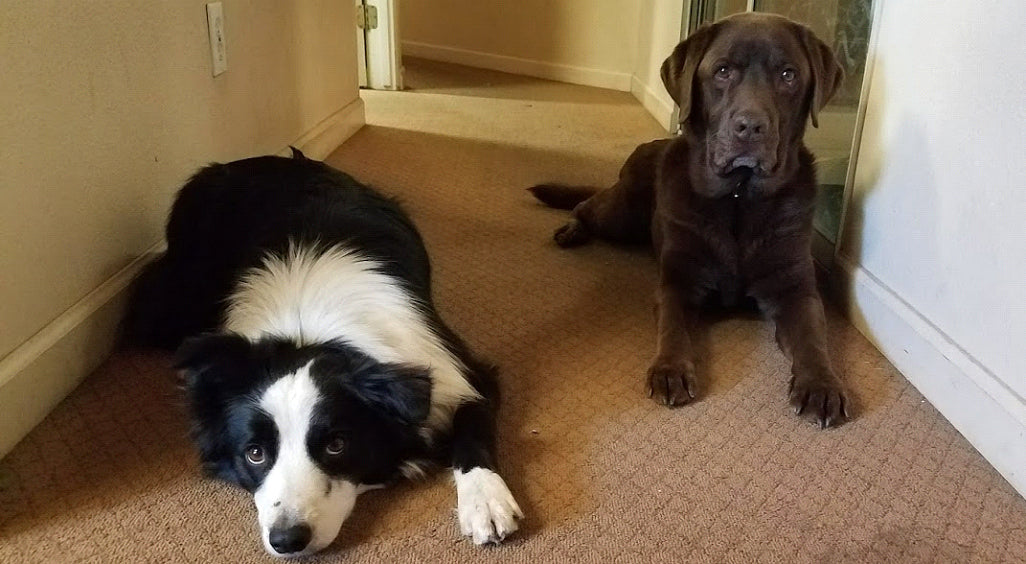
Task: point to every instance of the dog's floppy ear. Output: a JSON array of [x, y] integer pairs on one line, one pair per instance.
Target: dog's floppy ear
[[214, 367], [206, 356], [679, 69], [826, 72], [400, 390]]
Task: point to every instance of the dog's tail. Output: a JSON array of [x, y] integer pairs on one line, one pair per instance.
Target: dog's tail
[[165, 306], [297, 154], [561, 196]]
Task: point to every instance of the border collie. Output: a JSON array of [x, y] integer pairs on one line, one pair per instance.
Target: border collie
[[314, 362]]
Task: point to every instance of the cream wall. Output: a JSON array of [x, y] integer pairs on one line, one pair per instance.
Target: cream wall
[[584, 41], [107, 107], [658, 32], [933, 240]]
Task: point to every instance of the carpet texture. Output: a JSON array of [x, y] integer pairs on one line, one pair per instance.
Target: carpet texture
[[603, 473]]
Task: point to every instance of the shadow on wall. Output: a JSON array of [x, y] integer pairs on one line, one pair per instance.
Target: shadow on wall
[[869, 161], [906, 217]]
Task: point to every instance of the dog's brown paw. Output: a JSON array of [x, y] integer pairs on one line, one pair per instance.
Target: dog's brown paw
[[822, 398], [672, 384], [572, 234]]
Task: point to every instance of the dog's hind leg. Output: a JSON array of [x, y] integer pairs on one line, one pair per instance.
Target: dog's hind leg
[[621, 213], [486, 509]]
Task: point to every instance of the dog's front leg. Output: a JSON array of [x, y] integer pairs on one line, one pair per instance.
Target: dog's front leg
[[486, 509], [802, 335], [672, 378]]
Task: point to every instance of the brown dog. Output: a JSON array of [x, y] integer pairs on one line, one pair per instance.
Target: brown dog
[[728, 204]]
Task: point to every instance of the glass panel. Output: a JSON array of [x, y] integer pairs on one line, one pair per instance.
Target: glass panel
[[725, 8], [845, 26], [704, 11]]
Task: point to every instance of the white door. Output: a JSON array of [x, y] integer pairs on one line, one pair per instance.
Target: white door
[[377, 39], [361, 44]]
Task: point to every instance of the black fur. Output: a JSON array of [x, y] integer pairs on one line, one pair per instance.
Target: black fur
[[229, 216]]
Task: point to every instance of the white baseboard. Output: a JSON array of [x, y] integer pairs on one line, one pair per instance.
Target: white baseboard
[[987, 413], [327, 135], [541, 69], [38, 374], [660, 106]]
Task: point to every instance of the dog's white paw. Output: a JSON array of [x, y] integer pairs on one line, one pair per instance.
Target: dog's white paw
[[487, 511]]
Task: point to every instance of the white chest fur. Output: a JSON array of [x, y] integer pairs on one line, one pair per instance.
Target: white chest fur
[[315, 296]]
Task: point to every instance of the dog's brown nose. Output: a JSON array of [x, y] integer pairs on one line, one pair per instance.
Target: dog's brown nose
[[749, 127]]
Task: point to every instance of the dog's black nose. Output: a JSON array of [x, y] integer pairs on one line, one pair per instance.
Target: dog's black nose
[[749, 127], [286, 540]]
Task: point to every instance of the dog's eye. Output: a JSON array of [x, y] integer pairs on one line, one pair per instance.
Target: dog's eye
[[723, 72], [788, 75], [335, 447], [255, 455]]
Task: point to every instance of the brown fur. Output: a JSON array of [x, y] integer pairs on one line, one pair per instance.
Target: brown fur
[[728, 204]]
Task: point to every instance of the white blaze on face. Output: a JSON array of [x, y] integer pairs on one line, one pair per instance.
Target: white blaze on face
[[296, 491]]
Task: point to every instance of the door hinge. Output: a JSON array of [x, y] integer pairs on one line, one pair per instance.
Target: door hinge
[[367, 17]]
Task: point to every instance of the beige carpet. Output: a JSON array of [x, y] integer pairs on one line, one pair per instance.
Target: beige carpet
[[603, 473]]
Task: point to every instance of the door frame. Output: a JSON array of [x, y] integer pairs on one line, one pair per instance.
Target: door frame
[[379, 49]]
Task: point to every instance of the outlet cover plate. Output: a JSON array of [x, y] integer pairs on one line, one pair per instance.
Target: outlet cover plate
[[215, 29]]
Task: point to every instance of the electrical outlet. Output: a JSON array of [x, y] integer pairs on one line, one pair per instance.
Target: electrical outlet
[[215, 28]]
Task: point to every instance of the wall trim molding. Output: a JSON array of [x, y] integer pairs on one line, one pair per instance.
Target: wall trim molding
[[43, 370], [38, 374], [326, 136], [657, 105], [984, 410], [541, 69]]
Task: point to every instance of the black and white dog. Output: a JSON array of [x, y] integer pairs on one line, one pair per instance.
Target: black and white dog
[[315, 364]]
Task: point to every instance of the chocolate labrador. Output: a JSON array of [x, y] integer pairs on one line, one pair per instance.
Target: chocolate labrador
[[728, 203]]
